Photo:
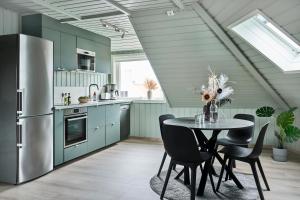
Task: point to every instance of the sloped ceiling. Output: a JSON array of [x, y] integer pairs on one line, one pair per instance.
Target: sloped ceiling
[[286, 14], [180, 49]]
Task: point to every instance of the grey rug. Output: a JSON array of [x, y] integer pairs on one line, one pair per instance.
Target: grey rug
[[176, 190]]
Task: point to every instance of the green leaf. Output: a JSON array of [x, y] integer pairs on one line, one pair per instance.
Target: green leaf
[[285, 118], [265, 111], [292, 109], [292, 133]]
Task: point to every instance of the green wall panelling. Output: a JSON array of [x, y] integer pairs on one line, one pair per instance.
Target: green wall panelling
[[78, 79], [144, 119], [58, 137]]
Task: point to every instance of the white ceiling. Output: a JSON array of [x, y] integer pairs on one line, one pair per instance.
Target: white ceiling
[[94, 7]]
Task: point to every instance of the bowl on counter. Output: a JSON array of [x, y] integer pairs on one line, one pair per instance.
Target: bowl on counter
[[83, 99]]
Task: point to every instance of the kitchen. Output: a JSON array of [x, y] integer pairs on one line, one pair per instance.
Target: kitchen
[[84, 83]]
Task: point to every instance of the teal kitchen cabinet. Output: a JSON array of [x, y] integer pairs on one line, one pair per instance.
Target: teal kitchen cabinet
[[68, 55], [54, 36], [103, 58], [75, 151], [96, 128], [112, 124], [58, 137], [85, 44]]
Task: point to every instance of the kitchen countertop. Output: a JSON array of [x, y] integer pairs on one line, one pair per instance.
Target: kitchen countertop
[[92, 103]]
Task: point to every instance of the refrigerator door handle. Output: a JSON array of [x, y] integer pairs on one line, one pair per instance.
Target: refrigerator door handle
[[20, 93], [20, 132]]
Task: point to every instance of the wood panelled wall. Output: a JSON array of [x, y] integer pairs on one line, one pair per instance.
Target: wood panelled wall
[[144, 119], [9, 22], [181, 47], [286, 14], [78, 79]]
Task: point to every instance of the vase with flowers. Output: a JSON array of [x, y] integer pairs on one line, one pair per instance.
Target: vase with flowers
[[216, 94], [150, 85]]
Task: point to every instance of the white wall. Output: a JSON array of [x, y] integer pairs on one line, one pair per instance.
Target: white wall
[[9, 22]]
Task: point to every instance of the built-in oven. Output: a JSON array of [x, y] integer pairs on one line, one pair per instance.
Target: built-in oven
[[86, 60], [75, 126]]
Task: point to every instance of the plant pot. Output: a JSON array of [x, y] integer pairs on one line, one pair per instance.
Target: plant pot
[[280, 155], [149, 94]]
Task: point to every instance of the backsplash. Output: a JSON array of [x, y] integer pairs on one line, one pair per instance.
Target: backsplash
[[76, 83], [78, 79]]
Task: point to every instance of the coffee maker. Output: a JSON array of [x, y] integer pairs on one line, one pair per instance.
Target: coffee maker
[[110, 92]]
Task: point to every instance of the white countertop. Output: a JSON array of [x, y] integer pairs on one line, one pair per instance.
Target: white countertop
[[92, 103]]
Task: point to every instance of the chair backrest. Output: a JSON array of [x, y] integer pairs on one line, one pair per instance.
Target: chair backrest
[[162, 118], [242, 135], [180, 143], [259, 142]]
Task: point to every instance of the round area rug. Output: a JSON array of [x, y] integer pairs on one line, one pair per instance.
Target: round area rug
[[176, 190]]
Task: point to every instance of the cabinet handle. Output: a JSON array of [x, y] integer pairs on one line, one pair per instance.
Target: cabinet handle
[[97, 127], [112, 124]]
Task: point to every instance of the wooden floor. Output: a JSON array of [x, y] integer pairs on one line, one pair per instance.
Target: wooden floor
[[123, 172]]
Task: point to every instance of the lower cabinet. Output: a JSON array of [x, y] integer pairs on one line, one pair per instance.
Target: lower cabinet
[[112, 133], [75, 151], [96, 128], [112, 124], [58, 137]]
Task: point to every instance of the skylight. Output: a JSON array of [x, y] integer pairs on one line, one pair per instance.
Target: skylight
[[268, 38]]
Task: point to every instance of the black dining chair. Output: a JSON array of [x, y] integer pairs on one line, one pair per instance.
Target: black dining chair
[[162, 118], [247, 155], [239, 137], [181, 145]]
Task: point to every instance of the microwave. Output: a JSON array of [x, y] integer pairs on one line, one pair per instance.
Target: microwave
[[86, 60]]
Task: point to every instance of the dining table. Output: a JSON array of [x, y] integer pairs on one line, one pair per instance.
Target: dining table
[[208, 142]]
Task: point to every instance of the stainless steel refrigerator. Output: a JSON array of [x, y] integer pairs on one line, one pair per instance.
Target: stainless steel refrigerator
[[26, 103]]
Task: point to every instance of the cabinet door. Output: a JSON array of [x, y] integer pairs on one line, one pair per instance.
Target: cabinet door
[[96, 128], [113, 113], [85, 44], [103, 58], [54, 36], [75, 151], [112, 133], [68, 56], [58, 137]]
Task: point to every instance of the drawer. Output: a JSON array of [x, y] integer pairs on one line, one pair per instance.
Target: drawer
[[75, 151]]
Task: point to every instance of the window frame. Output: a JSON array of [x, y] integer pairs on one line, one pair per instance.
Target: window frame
[[289, 36]]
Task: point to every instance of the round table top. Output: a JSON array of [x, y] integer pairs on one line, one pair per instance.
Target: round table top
[[221, 124]]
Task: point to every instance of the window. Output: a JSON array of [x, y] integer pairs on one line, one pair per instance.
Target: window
[[268, 38], [132, 76]]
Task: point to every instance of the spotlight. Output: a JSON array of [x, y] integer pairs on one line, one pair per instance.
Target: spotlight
[[117, 29], [104, 25], [123, 35]]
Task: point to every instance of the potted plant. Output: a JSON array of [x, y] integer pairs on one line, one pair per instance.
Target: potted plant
[[150, 85], [287, 131]]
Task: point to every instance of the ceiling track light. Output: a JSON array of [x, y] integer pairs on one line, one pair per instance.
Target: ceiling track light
[[114, 27], [123, 35]]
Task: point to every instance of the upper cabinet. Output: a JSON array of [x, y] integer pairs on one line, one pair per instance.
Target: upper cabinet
[[103, 58], [85, 44], [68, 55], [66, 39], [55, 37]]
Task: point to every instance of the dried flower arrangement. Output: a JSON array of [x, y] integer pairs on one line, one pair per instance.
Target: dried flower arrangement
[[150, 84], [216, 89]]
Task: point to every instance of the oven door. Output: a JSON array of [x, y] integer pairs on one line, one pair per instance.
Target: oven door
[[75, 129]]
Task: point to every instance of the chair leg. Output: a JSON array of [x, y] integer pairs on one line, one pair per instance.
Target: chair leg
[[261, 195], [201, 168], [230, 166], [212, 181], [174, 167], [162, 163], [193, 181], [263, 174], [222, 172], [166, 180]]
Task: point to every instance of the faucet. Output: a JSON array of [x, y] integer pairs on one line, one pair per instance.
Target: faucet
[[93, 84]]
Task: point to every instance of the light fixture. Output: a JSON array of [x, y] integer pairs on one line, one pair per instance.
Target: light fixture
[[170, 13], [117, 29], [123, 35]]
